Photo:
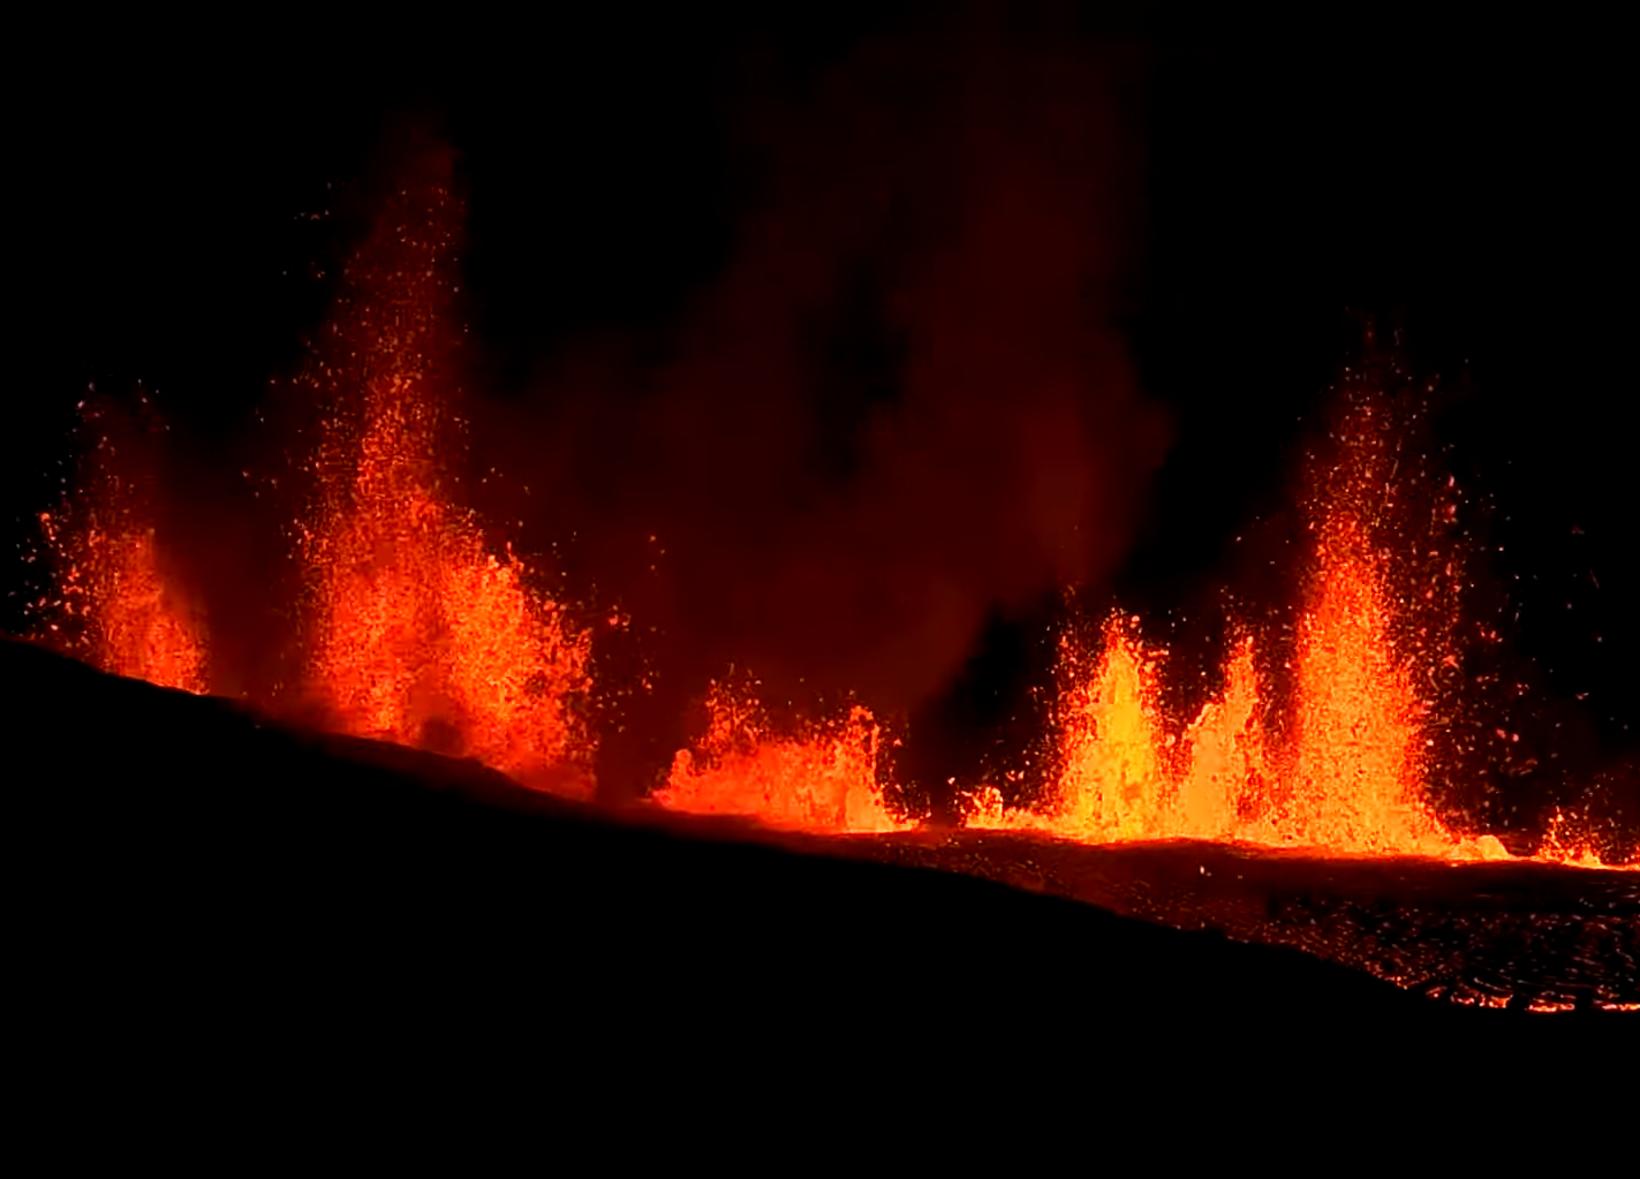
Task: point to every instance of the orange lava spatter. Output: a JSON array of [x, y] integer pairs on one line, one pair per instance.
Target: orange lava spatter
[[1358, 780], [1568, 840], [112, 600], [1346, 774], [1329, 736], [1223, 787], [1349, 775], [1111, 742], [416, 629], [822, 779], [133, 623], [1351, 785]]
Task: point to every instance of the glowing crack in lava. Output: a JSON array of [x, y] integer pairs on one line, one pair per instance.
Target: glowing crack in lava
[[822, 779], [113, 602], [416, 630]]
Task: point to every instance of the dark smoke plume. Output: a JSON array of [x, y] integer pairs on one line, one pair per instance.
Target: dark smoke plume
[[903, 406]]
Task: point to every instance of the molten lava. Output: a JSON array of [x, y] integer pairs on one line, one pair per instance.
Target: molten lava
[[1358, 777], [1354, 786], [416, 630], [1349, 776], [823, 779], [114, 603], [1326, 734], [1111, 742], [1224, 788]]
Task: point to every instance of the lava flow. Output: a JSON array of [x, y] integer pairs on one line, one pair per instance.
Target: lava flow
[[415, 630]]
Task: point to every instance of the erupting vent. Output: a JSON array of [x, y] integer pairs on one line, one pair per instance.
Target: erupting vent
[[821, 780], [113, 602], [1325, 733], [417, 632], [1339, 762]]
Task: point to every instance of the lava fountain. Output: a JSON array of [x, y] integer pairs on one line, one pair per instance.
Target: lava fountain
[[823, 778], [1357, 783], [416, 630], [113, 600], [416, 627], [1372, 664]]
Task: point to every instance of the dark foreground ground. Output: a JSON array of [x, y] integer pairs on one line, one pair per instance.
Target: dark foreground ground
[[1525, 936], [195, 887]]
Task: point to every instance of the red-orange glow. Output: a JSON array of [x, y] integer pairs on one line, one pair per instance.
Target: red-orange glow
[[1347, 774], [1112, 744], [1354, 785], [1222, 792], [113, 603], [1125, 776], [1358, 781], [419, 627], [823, 779], [1350, 774], [1569, 841], [418, 631]]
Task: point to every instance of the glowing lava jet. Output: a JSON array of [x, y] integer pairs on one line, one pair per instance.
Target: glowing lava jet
[[1336, 762], [416, 630], [822, 779], [1349, 774], [113, 602]]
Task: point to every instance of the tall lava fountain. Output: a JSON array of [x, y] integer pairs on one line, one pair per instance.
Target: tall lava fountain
[[415, 629]]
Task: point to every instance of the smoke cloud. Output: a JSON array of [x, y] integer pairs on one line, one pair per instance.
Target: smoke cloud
[[903, 406]]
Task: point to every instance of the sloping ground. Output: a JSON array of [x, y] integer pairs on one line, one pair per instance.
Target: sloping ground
[[1527, 936], [190, 881]]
